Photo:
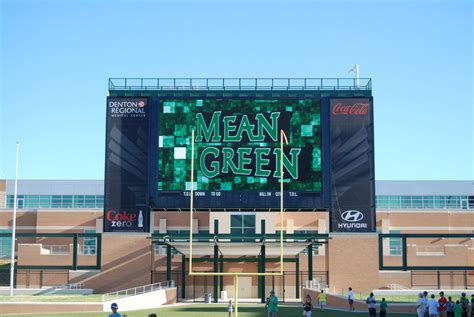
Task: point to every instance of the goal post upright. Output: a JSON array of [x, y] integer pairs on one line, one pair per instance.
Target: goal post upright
[[191, 212]]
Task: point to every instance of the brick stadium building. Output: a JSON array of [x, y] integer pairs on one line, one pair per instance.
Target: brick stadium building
[[341, 228]]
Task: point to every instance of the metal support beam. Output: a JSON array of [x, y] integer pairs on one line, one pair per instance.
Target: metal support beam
[[99, 251], [216, 270], [216, 262], [259, 278], [74, 253], [262, 262], [262, 269], [310, 262], [183, 276], [404, 254], [168, 262], [221, 269], [297, 270]]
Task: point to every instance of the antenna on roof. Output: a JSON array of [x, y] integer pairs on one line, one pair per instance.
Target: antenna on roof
[[355, 69]]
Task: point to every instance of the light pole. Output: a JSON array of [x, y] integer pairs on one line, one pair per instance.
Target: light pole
[[12, 262]]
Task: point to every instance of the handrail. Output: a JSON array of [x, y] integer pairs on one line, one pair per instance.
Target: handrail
[[239, 84], [138, 290]]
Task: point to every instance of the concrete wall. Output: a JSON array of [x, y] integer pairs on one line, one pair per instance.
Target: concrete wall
[[143, 301]]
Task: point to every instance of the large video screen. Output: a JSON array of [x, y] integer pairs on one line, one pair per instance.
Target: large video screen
[[237, 145]]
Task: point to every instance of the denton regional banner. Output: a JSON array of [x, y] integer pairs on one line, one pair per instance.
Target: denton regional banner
[[126, 166], [352, 165]]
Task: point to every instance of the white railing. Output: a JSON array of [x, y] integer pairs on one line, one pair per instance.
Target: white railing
[[57, 249], [397, 287], [138, 290], [435, 250]]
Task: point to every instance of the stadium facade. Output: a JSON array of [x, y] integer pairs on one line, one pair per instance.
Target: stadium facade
[[76, 207], [340, 227]]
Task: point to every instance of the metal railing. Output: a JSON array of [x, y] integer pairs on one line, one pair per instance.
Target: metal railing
[[138, 290], [233, 84], [57, 249], [430, 250], [66, 249]]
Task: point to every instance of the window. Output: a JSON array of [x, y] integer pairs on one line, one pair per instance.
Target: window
[[45, 201], [5, 246], [417, 202], [79, 201], [406, 202], [242, 224], [90, 201], [383, 202], [90, 244], [428, 201], [395, 245], [66, 201], [452, 202], [394, 202], [57, 201]]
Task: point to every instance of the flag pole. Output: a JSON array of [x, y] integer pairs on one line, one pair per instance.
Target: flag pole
[[357, 76], [15, 202]]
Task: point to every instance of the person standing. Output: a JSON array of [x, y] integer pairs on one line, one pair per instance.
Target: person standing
[[464, 304], [230, 308], [114, 308], [443, 305], [372, 305], [433, 306], [425, 299], [420, 305], [322, 300], [273, 305], [350, 298], [383, 308], [472, 305], [458, 309], [450, 307], [307, 306]]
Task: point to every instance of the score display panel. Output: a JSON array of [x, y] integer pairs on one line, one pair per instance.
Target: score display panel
[[237, 154]]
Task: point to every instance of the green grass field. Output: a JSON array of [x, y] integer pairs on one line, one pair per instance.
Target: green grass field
[[214, 310]]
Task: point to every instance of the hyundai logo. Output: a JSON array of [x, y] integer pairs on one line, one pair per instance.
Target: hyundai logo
[[352, 215]]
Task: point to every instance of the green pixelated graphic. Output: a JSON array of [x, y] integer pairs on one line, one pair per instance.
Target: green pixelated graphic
[[177, 119], [226, 186], [306, 130]]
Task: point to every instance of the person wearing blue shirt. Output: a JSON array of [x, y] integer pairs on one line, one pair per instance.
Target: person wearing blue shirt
[[114, 308]]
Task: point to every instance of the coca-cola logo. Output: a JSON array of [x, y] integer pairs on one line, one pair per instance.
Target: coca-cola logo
[[121, 219], [357, 109]]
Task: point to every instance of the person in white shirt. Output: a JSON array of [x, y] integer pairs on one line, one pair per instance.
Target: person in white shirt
[[372, 305], [425, 300], [350, 297], [420, 305], [433, 306]]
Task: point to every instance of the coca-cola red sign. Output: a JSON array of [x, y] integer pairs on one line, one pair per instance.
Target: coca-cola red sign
[[356, 109]]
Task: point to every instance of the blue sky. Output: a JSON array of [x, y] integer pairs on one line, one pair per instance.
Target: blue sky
[[56, 58]]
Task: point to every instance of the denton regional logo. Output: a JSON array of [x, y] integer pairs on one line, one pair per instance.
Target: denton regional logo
[[352, 219], [127, 108]]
